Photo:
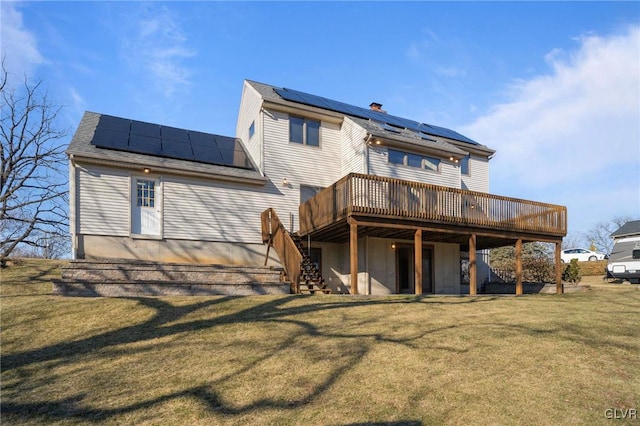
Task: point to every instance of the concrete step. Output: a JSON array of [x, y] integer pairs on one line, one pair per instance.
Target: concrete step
[[314, 289], [125, 278], [131, 271]]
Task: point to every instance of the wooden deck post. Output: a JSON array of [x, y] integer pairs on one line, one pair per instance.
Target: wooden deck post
[[353, 254], [519, 267], [559, 286], [473, 276], [417, 282]]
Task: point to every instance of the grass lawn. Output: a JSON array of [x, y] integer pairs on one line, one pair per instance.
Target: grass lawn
[[317, 360]]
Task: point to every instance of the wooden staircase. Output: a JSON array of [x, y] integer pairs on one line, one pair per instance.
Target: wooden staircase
[[311, 281], [304, 276]]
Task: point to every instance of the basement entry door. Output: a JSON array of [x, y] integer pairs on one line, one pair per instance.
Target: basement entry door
[[405, 267], [145, 211]]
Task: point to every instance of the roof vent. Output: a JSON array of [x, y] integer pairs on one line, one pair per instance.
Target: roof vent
[[376, 107]]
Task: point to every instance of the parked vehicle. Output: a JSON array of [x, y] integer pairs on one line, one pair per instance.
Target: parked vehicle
[[582, 255], [624, 262]]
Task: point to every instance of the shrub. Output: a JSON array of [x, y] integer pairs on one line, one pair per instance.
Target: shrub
[[537, 263], [571, 273], [540, 270]]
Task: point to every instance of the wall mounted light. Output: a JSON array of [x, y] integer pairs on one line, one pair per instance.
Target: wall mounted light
[[393, 246], [146, 170], [285, 182]]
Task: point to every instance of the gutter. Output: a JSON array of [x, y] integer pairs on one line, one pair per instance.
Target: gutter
[[258, 180], [294, 108]]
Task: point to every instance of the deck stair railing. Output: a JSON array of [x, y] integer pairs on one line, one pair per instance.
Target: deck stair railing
[[311, 281], [299, 269]]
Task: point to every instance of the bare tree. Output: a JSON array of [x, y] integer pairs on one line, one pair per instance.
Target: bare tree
[[600, 234], [573, 240], [33, 183]]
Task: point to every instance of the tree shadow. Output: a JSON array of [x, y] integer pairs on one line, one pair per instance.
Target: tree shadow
[[281, 311]]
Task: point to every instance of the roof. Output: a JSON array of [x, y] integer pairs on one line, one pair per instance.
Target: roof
[[630, 228], [135, 144], [379, 122]]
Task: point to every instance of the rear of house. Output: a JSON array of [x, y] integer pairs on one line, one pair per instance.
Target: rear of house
[[380, 204]]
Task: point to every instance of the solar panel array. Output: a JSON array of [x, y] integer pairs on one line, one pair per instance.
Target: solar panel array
[[169, 142], [380, 117]]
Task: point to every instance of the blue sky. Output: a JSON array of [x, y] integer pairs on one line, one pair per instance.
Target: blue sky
[[553, 87]]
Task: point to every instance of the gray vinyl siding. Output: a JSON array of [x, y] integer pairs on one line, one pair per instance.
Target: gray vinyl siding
[[195, 209], [298, 164], [478, 178], [378, 164], [250, 112], [353, 145], [103, 201]]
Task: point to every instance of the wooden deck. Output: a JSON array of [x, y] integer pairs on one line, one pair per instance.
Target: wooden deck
[[395, 208], [364, 205]]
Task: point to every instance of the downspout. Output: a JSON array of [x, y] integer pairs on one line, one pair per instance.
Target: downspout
[[261, 141], [367, 140], [72, 208]]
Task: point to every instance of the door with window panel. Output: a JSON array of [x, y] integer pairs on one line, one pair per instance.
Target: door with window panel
[[145, 211]]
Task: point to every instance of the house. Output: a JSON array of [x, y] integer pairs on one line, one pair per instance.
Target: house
[[624, 260], [379, 204]]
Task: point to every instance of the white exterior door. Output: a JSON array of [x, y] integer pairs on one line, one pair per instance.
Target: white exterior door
[[146, 205]]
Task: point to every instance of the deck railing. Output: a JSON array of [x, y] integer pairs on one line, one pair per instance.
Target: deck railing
[[402, 199], [275, 234]]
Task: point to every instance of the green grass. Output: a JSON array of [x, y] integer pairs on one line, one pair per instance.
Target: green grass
[[319, 360]]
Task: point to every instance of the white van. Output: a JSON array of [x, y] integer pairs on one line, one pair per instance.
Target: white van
[[624, 261]]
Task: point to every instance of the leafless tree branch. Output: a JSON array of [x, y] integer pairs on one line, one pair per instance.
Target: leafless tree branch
[[33, 187]]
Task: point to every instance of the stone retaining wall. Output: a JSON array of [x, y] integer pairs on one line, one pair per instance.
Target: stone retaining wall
[[127, 278]]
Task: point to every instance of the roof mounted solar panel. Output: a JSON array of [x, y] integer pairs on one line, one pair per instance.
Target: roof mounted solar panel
[[207, 154], [427, 137], [104, 138], [391, 128], [174, 134], [145, 129], [145, 144], [177, 149], [447, 133], [225, 142], [324, 103], [169, 142], [199, 138], [114, 124]]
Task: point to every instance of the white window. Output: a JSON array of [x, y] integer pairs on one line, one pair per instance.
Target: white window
[[252, 129], [304, 131], [413, 160]]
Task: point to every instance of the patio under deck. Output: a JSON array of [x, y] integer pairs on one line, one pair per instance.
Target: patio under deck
[[359, 205]]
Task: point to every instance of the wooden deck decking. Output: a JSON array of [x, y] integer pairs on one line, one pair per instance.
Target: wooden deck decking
[[396, 206], [358, 205]]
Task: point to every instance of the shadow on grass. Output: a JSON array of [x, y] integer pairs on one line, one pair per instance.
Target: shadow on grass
[[155, 328], [163, 324], [37, 282]]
